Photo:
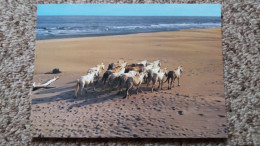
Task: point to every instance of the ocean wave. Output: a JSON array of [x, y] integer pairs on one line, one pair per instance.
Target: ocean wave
[[99, 30], [158, 26], [131, 26]]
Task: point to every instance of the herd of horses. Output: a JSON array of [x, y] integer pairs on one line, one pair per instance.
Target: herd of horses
[[121, 75]]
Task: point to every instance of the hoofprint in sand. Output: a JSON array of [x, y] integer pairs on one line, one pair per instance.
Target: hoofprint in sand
[[195, 109]]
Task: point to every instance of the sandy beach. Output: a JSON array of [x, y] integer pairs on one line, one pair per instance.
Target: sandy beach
[[196, 109]]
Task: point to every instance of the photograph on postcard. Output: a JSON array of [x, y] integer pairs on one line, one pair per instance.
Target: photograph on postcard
[[128, 71]]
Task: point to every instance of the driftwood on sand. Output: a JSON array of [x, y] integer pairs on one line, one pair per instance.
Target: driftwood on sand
[[44, 85]]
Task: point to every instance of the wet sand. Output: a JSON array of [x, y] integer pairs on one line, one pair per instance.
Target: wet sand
[[196, 109]]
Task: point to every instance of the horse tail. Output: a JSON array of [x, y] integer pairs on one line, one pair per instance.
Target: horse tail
[[77, 88]]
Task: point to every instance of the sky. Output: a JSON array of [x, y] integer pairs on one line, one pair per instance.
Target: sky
[[129, 10]]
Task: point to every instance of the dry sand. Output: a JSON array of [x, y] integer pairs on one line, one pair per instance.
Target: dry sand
[[196, 109]]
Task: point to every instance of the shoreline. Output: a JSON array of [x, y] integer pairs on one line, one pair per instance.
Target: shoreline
[[126, 34]]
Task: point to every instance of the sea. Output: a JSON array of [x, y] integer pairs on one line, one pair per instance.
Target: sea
[[58, 27]]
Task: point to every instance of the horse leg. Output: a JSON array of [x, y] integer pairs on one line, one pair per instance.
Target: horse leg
[[127, 91], [178, 81], [121, 86], [108, 86], [148, 81], [97, 77], [172, 85], [120, 89], [117, 83], [173, 81], [141, 89], [93, 87], [169, 83], [86, 89], [105, 79], [161, 83], [82, 87]]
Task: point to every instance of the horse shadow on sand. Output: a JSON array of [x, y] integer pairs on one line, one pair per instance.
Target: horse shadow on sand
[[67, 94], [100, 95]]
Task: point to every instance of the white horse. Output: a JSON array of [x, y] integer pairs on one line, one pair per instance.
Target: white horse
[[178, 73], [150, 74], [85, 80], [123, 64], [158, 76], [134, 81], [148, 67], [157, 63], [97, 69]]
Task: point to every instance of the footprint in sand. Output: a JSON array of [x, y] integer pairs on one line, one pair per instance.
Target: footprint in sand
[[186, 96], [138, 108], [150, 124], [180, 112], [157, 109]]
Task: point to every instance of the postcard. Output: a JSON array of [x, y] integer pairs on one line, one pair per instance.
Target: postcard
[[128, 71]]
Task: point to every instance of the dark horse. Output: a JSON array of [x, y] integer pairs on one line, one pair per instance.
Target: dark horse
[[171, 76]]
